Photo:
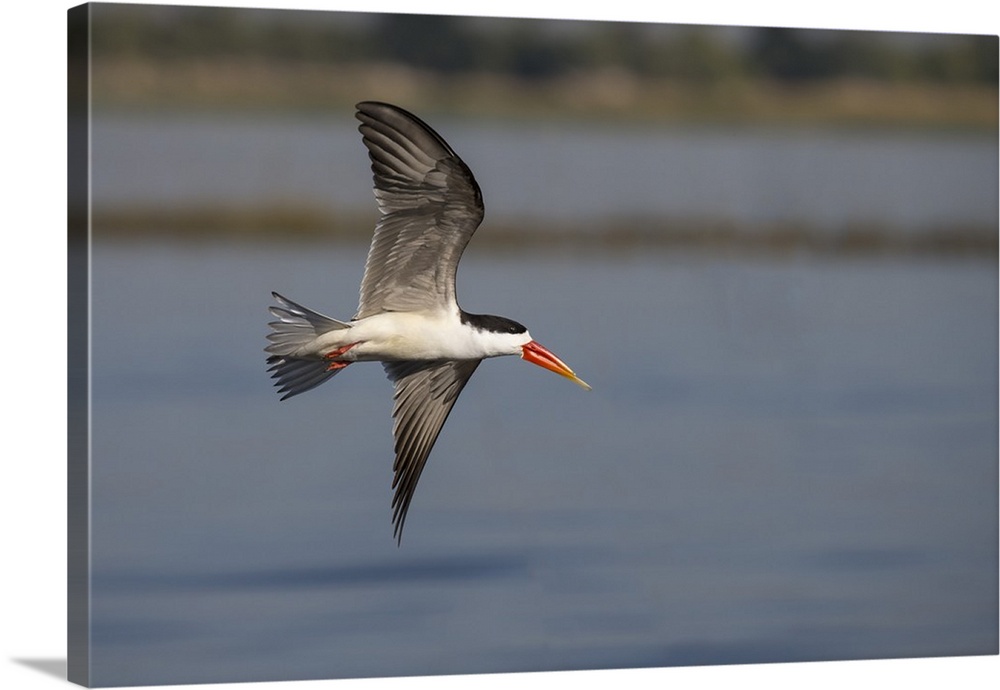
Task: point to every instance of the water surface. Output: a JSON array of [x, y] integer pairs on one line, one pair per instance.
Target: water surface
[[827, 180], [780, 460]]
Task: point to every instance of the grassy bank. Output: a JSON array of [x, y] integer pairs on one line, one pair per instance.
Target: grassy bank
[[248, 84], [277, 224]]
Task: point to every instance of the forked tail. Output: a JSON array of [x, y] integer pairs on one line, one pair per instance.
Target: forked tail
[[295, 327]]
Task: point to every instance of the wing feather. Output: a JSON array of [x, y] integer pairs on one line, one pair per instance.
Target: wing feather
[[430, 205], [425, 394]]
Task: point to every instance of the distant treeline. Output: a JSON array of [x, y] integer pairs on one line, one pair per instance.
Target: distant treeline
[[542, 49]]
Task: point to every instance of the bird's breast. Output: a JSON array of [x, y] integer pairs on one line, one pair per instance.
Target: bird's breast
[[411, 336]]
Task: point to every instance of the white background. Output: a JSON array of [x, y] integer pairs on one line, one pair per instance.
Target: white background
[[33, 485]]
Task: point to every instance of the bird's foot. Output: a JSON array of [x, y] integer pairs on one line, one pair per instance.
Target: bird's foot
[[333, 354]]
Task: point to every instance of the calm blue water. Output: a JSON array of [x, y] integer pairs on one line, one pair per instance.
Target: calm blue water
[[780, 460], [825, 179]]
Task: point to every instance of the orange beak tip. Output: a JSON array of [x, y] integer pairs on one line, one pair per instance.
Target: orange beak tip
[[537, 354]]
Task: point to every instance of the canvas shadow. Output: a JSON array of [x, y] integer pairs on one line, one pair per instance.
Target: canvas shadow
[[51, 667]]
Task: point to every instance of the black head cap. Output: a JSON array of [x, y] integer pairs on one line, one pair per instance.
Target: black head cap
[[494, 324]]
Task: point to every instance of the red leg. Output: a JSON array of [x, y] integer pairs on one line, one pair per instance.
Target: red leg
[[333, 354]]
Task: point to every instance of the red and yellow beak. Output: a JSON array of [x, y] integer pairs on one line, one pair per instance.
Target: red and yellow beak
[[536, 354]]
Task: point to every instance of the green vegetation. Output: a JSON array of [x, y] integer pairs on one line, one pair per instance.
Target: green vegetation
[[537, 49], [218, 57], [283, 225]]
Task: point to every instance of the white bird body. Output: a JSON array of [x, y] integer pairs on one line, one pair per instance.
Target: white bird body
[[408, 317], [420, 335]]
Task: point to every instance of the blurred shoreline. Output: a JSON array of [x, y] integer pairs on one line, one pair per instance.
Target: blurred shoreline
[[189, 89], [248, 84], [314, 225]]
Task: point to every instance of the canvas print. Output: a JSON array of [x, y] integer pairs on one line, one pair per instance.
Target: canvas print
[[307, 250]]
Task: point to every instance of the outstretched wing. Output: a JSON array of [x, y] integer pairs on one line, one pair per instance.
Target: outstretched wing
[[430, 204], [425, 394]]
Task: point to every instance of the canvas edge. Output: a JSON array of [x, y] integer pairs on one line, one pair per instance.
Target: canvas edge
[[78, 345]]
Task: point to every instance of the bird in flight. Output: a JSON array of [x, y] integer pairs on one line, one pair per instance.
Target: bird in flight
[[408, 317]]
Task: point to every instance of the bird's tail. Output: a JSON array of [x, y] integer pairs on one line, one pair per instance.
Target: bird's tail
[[295, 326]]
